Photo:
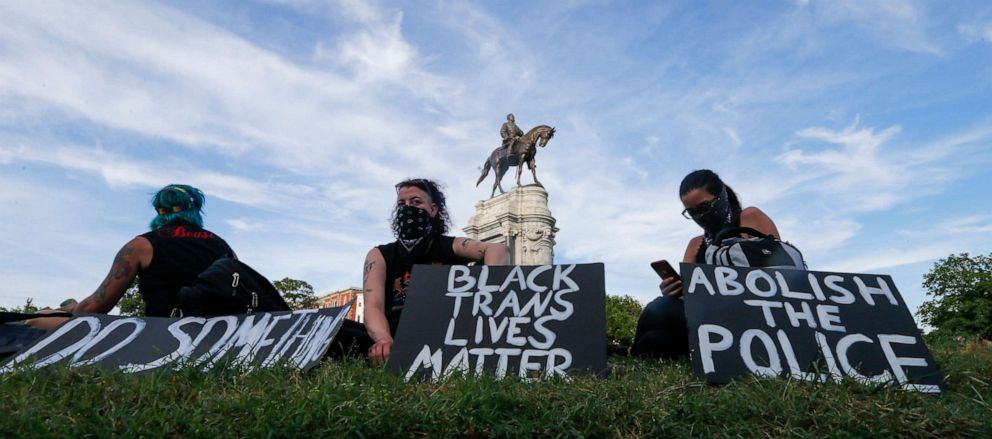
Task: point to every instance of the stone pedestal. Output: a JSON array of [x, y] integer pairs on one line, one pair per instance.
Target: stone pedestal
[[520, 219]]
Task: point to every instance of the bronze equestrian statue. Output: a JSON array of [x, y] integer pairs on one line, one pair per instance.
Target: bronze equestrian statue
[[521, 151]]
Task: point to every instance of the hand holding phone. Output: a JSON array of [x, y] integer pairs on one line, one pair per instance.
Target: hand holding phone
[[665, 270], [671, 282]]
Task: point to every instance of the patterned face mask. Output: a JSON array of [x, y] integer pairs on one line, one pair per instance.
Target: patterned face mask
[[716, 216], [413, 224]]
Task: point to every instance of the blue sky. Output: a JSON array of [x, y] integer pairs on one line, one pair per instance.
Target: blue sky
[[863, 129]]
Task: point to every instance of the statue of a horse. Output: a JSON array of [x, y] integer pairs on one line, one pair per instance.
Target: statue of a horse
[[522, 151]]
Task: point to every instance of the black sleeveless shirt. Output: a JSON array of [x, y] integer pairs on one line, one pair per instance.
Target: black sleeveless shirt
[[399, 263], [180, 252]]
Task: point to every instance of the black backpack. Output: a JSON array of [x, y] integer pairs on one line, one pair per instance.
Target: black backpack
[[226, 287], [760, 250]]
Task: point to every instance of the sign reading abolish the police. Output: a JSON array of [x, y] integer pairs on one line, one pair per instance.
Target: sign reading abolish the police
[[538, 321], [140, 344], [808, 325]]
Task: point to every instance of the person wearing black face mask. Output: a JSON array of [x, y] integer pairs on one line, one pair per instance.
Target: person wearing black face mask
[[714, 206], [420, 223]]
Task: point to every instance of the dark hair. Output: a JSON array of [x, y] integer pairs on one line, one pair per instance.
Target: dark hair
[[177, 202], [708, 180], [439, 224]]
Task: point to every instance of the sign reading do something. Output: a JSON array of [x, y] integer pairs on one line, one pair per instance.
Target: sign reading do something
[[532, 322], [139, 344], [807, 325]]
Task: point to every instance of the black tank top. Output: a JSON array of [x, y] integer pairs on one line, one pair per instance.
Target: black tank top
[[180, 252], [399, 263]]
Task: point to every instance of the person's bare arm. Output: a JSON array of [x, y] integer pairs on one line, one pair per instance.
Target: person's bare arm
[[374, 293], [489, 253], [131, 258], [756, 219]]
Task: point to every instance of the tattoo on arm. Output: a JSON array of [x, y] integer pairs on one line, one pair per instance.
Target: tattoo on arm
[[369, 263], [482, 248], [120, 269]]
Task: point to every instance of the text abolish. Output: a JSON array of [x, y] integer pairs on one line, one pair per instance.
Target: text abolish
[[805, 325]]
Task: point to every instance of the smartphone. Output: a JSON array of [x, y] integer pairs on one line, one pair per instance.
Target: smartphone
[[664, 269]]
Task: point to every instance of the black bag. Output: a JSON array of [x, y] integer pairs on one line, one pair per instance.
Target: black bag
[[761, 250], [226, 287]]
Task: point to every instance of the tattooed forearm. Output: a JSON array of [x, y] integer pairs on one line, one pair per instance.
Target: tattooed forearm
[[465, 243]]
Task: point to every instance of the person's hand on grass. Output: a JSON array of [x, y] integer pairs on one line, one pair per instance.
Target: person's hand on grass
[[379, 352]]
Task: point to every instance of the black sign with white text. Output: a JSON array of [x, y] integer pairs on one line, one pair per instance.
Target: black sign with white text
[[139, 344], [807, 325], [532, 322]]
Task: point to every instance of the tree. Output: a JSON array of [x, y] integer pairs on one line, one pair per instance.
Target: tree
[[961, 287], [131, 303], [621, 318], [28, 308], [298, 294]]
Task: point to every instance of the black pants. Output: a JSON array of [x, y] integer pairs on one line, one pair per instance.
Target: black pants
[[351, 340], [661, 330]]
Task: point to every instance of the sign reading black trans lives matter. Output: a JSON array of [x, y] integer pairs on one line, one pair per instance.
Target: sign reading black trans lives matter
[[807, 325], [532, 322], [139, 344]]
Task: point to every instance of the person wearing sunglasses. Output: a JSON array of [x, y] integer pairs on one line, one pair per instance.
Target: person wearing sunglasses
[[420, 222], [713, 206]]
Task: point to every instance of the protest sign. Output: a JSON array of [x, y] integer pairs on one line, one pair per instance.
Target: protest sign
[[807, 325], [538, 321], [140, 344]]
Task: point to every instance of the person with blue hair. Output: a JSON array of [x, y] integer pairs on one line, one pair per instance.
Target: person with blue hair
[[169, 257]]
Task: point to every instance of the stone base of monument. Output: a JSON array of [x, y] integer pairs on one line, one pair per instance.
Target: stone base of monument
[[520, 218]]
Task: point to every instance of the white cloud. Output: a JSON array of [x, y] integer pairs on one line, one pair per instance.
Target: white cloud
[[901, 24], [160, 73], [881, 259], [976, 32], [816, 237], [119, 171], [972, 224], [242, 224], [377, 52], [865, 173]]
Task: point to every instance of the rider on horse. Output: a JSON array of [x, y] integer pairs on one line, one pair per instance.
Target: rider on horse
[[510, 132]]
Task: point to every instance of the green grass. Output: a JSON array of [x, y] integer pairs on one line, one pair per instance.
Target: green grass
[[641, 398]]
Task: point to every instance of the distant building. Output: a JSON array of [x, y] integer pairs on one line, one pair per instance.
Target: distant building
[[341, 298]]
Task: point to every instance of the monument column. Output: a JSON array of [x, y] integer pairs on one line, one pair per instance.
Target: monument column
[[520, 219]]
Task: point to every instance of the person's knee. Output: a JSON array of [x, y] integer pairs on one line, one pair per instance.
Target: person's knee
[[661, 329], [663, 312]]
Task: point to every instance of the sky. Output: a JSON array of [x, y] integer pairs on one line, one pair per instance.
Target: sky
[[863, 129]]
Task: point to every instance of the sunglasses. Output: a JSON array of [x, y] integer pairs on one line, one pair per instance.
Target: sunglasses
[[700, 210]]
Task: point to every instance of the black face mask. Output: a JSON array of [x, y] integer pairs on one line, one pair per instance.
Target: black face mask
[[717, 217], [412, 225]]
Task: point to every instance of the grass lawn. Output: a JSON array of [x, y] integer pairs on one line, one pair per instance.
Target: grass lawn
[[641, 398]]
